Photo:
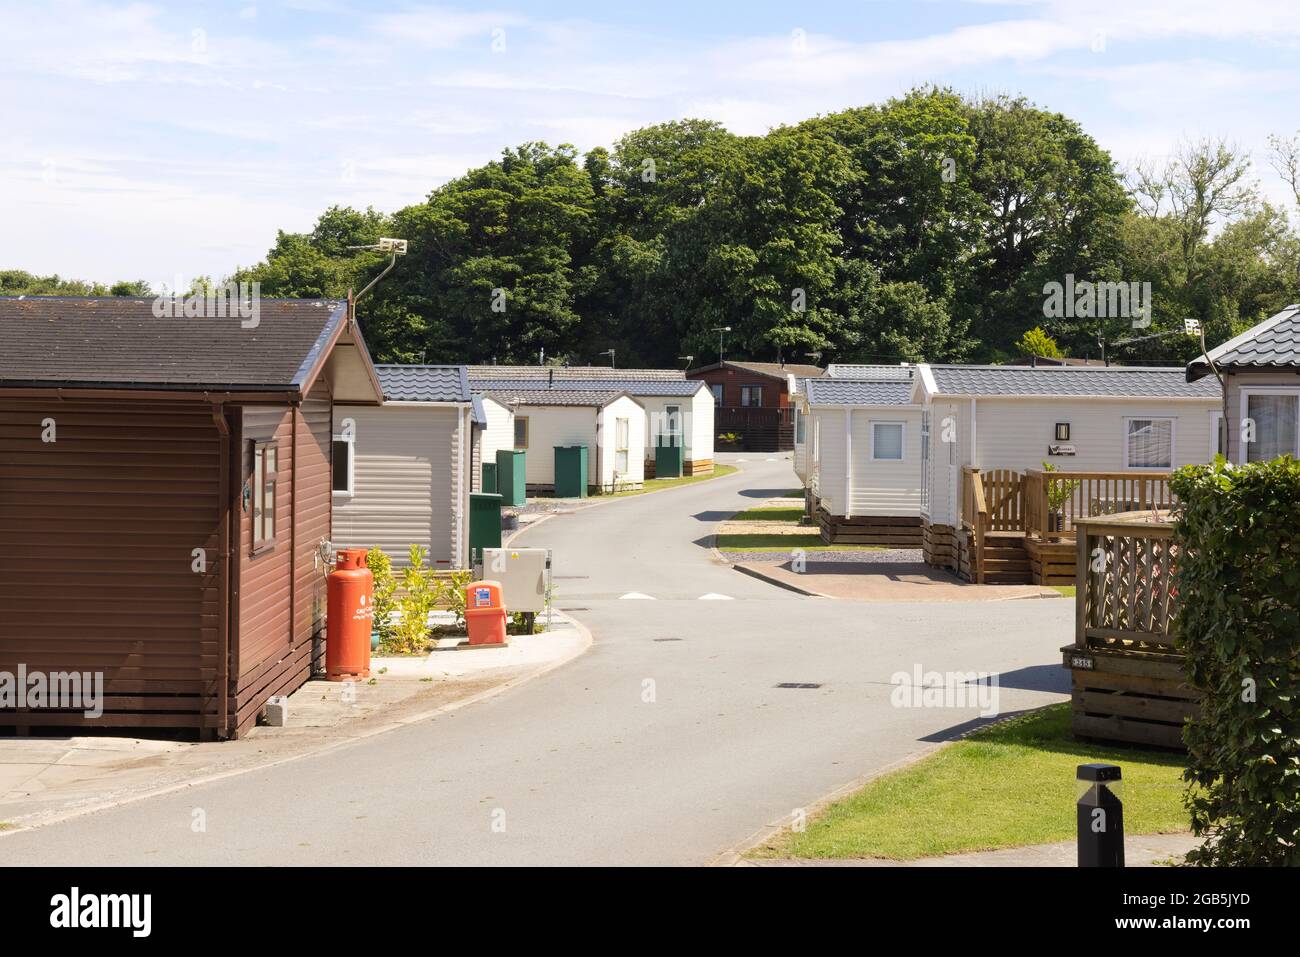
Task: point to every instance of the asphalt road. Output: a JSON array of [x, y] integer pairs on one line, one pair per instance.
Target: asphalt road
[[667, 743]]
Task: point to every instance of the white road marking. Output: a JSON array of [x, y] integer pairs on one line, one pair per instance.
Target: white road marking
[[771, 460], [637, 595], [714, 596]]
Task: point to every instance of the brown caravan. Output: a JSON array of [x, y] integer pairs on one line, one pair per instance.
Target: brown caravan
[[164, 486]]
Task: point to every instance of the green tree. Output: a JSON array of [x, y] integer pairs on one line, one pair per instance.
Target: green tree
[[1036, 342]]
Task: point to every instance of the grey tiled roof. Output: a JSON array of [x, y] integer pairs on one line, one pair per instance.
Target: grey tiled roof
[[1273, 344], [576, 373], [1116, 381], [894, 373], [648, 387], [411, 383], [577, 397], [119, 343], [840, 391]]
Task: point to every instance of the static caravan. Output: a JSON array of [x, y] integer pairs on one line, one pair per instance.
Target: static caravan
[[1262, 370], [1111, 434], [858, 450], [612, 425], [752, 400], [673, 404], [165, 483], [403, 471]]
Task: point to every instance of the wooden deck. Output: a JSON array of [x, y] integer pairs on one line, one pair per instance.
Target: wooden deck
[[1020, 526], [1128, 680]]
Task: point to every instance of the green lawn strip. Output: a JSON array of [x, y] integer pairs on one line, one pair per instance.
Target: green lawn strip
[[652, 485], [779, 542], [1066, 590], [778, 514], [1008, 785]]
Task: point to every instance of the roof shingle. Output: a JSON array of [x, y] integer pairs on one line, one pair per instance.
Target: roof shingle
[[1273, 344], [1109, 381], [118, 343], [841, 391], [414, 383]]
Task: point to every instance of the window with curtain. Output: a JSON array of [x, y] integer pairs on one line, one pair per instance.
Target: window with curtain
[[751, 395], [887, 441], [800, 427], [1276, 419], [1150, 444], [342, 466], [521, 431]]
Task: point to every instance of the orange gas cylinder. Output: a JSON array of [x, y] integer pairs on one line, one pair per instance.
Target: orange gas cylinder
[[347, 636], [485, 614]]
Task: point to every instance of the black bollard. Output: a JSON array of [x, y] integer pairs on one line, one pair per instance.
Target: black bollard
[[1101, 817]]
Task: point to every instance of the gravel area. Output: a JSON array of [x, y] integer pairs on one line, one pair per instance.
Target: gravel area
[[550, 505], [863, 556]]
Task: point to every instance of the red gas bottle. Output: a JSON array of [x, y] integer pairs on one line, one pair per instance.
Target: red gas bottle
[[351, 613]]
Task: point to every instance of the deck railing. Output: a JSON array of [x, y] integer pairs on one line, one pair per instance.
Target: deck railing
[[1054, 501], [975, 518], [1125, 595]]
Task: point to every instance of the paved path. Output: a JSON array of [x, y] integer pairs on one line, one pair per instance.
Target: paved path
[[668, 742], [1143, 850]]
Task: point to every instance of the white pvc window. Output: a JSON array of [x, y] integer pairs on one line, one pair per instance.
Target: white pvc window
[[887, 441], [1149, 443], [800, 427], [621, 432], [1276, 418]]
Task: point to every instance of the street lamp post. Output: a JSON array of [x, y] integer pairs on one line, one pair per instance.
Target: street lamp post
[[720, 330]]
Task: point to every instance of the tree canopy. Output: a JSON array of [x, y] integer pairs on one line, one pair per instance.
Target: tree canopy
[[928, 227]]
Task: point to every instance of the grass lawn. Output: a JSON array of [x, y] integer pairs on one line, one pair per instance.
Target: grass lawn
[[1066, 590], [778, 542], [769, 515], [1007, 785], [652, 485]]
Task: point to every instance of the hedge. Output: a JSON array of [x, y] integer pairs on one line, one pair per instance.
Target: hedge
[[1238, 581]]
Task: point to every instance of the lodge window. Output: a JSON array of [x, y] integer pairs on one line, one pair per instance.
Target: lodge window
[[887, 441], [343, 465], [1149, 444], [622, 433], [751, 395], [1276, 418], [521, 431], [717, 394], [800, 427], [265, 454]]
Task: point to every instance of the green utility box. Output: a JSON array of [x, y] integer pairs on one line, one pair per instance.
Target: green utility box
[[484, 524], [670, 460], [490, 477], [510, 477], [570, 471]]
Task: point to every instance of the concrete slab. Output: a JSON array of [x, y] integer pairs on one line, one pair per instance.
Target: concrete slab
[[876, 581]]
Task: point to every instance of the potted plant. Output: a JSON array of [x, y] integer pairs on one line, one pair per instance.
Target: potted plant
[[729, 441], [1058, 493]]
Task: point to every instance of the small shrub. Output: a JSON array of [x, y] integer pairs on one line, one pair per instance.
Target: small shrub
[[1238, 585], [420, 593], [381, 566], [453, 595]]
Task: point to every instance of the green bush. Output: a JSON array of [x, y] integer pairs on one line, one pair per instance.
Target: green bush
[[453, 595], [1238, 586], [381, 566], [420, 593]]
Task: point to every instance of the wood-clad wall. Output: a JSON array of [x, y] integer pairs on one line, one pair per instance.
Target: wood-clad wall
[[99, 529]]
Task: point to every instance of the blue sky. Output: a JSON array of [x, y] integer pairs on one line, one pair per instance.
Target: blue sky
[[156, 140]]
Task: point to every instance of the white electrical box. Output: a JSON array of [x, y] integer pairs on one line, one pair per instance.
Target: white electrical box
[[523, 574]]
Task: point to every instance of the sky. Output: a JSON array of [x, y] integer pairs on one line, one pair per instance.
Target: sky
[[163, 141]]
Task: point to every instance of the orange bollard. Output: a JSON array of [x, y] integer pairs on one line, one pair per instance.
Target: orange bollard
[[485, 614], [351, 614]]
